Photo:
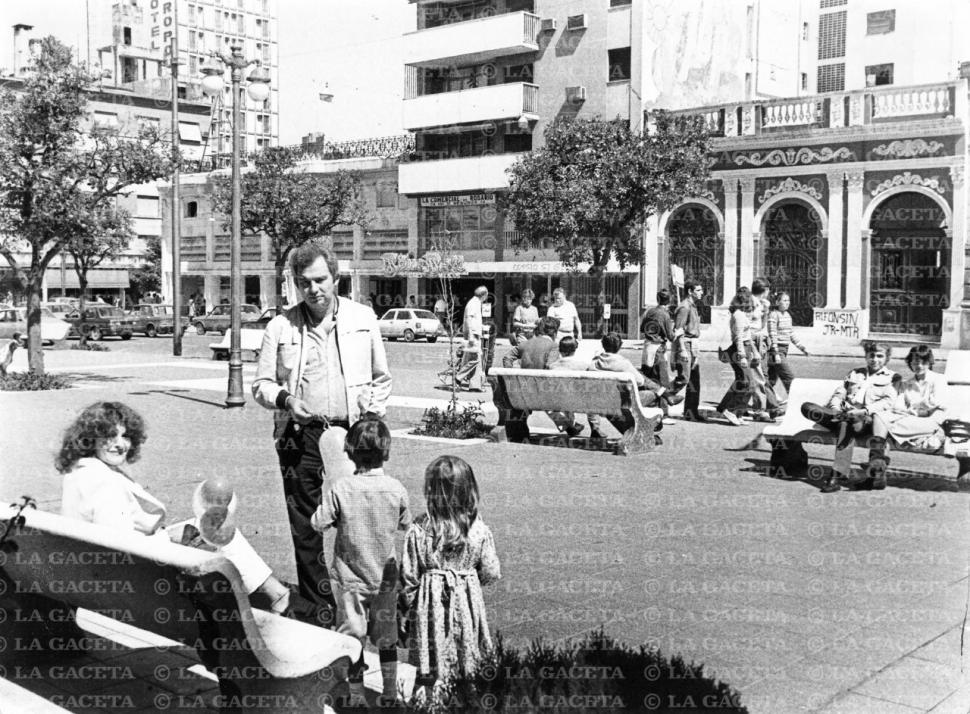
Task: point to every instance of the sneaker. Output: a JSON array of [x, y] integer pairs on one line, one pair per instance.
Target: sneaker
[[574, 430], [731, 417], [672, 398], [831, 486]]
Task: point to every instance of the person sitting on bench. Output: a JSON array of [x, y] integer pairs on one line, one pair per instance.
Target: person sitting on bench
[[651, 393], [94, 457], [865, 392]]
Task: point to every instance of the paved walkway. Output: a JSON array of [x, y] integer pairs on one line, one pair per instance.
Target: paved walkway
[[805, 602]]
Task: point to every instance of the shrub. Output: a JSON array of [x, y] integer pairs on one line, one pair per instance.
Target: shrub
[[91, 347], [454, 422], [595, 674], [29, 382]]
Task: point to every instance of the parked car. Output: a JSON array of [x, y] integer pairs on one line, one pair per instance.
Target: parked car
[[60, 309], [218, 319], [409, 324], [260, 322], [154, 319], [101, 321], [14, 319]]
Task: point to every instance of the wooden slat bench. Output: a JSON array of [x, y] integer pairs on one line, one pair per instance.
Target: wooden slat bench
[[51, 565], [249, 341], [605, 393], [786, 439]]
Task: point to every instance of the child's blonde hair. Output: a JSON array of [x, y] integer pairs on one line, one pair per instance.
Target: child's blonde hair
[[451, 492]]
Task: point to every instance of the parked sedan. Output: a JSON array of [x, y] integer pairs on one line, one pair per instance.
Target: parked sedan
[[218, 319], [14, 319], [409, 324], [101, 321], [153, 319]]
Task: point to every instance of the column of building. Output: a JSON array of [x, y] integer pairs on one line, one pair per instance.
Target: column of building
[[956, 317], [748, 257], [857, 245], [833, 263]]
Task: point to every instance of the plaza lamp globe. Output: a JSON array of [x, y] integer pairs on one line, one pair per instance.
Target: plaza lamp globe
[[212, 81]]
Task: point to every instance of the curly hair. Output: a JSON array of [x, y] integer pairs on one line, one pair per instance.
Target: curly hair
[[100, 421]]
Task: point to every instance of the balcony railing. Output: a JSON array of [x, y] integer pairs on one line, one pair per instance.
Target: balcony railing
[[833, 110], [478, 104], [474, 41]]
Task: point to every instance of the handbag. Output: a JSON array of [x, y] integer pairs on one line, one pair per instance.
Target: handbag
[[957, 430]]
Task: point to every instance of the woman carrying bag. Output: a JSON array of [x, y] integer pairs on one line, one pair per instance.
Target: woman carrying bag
[[742, 356]]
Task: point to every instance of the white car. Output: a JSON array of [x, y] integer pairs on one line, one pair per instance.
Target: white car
[[409, 325], [52, 328]]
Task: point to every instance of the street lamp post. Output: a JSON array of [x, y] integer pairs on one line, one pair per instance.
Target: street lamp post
[[258, 90]]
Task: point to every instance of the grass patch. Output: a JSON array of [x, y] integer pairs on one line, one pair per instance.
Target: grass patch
[[456, 421], [29, 382], [594, 674]]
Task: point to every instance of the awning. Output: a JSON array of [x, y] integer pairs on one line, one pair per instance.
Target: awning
[[97, 278]]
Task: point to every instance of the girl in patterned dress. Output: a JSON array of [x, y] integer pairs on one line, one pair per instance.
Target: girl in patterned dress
[[449, 554]]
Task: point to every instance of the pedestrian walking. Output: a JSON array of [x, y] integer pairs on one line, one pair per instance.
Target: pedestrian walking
[[741, 355], [449, 553], [565, 311], [657, 328], [471, 372], [764, 397], [321, 363], [367, 509], [781, 336], [7, 348], [687, 329], [525, 318]]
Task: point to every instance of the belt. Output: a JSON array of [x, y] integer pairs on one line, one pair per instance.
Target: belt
[[322, 423]]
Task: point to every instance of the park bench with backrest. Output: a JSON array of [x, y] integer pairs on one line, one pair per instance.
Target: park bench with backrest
[[786, 438], [51, 565], [249, 340], [610, 394]]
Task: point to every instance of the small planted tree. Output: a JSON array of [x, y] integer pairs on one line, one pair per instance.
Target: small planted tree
[[58, 177], [593, 185], [148, 276], [290, 205]]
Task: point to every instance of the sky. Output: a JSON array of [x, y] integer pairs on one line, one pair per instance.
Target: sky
[[348, 48]]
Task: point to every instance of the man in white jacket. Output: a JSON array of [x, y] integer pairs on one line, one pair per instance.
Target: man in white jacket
[[322, 363]]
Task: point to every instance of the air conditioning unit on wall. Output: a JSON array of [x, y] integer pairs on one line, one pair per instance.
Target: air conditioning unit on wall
[[548, 24], [576, 22], [576, 94]]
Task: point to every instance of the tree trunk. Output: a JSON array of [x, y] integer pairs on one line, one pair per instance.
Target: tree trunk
[[82, 282], [279, 264], [35, 347]]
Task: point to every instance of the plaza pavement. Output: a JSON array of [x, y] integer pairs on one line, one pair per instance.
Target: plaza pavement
[[847, 602]]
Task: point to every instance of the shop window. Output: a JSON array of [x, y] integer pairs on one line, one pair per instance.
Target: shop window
[[879, 74], [880, 23], [619, 64]]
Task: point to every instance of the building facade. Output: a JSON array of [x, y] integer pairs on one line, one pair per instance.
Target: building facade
[[855, 203], [133, 38], [484, 78]]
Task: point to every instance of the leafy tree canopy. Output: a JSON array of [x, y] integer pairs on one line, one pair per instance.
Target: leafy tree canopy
[[594, 183]]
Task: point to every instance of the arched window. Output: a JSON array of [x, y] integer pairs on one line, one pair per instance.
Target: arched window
[[694, 244]]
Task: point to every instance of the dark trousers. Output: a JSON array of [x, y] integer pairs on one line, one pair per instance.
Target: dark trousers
[[739, 394], [779, 369], [689, 371], [298, 451]]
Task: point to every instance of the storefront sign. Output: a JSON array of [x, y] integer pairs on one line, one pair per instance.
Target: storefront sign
[[463, 200], [837, 323], [430, 265]]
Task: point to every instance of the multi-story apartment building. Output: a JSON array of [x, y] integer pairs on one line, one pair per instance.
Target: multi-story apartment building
[[127, 110], [133, 38], [484, 78]]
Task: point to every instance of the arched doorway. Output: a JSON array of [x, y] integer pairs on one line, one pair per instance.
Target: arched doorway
[[910, 276], [694, 243], [792, 238]]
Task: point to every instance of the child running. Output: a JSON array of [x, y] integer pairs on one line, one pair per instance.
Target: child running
[[449, 554], [367, 508]]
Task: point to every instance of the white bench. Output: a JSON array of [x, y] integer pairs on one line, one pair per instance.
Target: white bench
[[51, 565], [249, 340], [786, 438], [518, 391]]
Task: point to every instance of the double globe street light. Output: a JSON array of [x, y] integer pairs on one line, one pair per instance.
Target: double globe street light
[[258, 91]]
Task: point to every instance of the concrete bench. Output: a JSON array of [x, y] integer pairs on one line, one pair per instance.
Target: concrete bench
[[249, 340], [786, 438], [51, 565], [605, 393]]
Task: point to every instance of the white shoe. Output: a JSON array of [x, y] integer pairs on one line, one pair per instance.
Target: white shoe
[[731, 417]]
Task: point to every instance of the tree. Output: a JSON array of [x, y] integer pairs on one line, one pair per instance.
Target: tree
[[148, 276], [594, 184], [290, 205], [107, 232], [56, 179]]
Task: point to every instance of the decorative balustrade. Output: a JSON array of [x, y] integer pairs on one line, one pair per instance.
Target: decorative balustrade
[[832, 110]]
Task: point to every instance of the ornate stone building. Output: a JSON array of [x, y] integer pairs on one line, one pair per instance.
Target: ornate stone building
[[853, 202]]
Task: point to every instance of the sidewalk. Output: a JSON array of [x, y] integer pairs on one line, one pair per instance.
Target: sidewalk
[[804, 602]]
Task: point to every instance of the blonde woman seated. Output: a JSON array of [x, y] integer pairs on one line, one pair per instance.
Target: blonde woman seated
[[94, 458], [916, 418]]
